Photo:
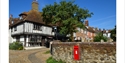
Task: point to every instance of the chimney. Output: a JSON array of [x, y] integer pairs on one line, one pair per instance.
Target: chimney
[[86, 23], [11, 16], [35, 5], [10, 19]]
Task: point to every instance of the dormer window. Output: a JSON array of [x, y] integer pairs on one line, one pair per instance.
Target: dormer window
[[21, 17]]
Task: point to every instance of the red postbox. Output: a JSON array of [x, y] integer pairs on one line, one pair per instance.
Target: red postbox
[[76, 52]]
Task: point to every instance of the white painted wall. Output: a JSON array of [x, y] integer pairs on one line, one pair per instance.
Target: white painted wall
[[46, 30], [21, 38], [74, 34], [28, 27], [107, 35], [19, 29], [14, 39]]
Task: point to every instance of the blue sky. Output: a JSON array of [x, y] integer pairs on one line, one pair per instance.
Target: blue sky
[[104, 10]]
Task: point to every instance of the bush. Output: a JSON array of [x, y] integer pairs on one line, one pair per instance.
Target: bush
[[51, 60], [100, 37], [16, 46]]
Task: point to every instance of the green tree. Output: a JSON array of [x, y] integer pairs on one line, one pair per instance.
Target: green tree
[[100, 37], [67, 15], [113, 34]]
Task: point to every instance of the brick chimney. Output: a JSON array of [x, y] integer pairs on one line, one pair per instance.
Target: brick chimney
[[86, 23], [10, 19], [35, 5]]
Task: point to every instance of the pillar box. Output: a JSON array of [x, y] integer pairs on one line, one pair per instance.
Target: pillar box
[[76, 52]]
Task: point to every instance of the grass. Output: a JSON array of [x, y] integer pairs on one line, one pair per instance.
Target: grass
[[51, 60], [47, 52]]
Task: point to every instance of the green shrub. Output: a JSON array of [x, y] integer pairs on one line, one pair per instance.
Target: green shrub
[[100, 37], [16, 46], [51, 60]]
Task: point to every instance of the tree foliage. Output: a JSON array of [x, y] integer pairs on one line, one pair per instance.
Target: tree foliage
[[67, 15], [100, 37], [113, 34]]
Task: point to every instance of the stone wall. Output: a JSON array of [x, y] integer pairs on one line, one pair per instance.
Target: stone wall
[[90, 52]]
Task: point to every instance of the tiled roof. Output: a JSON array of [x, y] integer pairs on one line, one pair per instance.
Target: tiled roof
[[15, 21], [24, 13], [90, 29], [32, 16], [106, 31]]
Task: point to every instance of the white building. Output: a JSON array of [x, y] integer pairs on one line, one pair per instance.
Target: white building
[[106, 33], [29, 28]]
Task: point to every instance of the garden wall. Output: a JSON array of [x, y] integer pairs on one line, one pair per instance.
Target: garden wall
[[90, 52]]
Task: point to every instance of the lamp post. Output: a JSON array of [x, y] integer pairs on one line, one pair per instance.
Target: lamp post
[[55, 30]]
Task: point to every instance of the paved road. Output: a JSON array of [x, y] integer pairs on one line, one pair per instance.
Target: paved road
[[33, 58], [28, 56]]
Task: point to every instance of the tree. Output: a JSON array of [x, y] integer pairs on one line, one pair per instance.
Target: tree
[[100, 37], [67, 15], [113, 34]]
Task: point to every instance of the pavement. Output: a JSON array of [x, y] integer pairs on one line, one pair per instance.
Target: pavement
[[29, 48], [30, 55]]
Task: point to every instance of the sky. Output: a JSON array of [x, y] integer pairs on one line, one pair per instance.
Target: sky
[[104, 10]]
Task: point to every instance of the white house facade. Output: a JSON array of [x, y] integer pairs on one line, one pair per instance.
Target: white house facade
[[30, 30]]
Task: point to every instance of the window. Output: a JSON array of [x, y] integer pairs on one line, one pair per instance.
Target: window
[[38, 38], [40, 28], [107, 34], [33, 38], [85, 32], [12, 22], [91, 34], [15, 28], [18, 39], [36, 27]]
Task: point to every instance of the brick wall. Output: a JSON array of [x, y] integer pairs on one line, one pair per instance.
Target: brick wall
[[90, 52]]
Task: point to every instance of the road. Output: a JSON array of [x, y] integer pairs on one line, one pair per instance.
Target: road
[[28, 56]]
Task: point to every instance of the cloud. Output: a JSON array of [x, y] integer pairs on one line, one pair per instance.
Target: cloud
[[105, 24], [104, 18]]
